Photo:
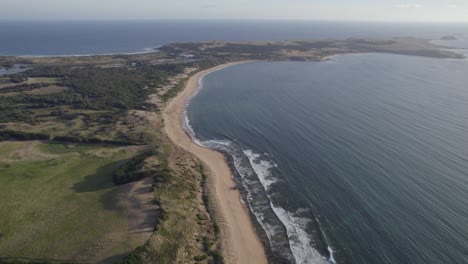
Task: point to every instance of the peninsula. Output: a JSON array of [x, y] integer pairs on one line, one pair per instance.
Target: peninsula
[[93, 148]]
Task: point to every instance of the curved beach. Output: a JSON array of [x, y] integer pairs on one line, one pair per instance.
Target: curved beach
[[240, 243]]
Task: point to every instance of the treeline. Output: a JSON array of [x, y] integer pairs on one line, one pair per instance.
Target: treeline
[[92, 88], [9, 62], [36, 101], [131, 171], [31, 261], [25, 136], [93, 140], [175, 90], [13, 115], [239, 51], [114, 87], [23, 87], [203, 65], [179, 47], [122, 88], [247, 48]]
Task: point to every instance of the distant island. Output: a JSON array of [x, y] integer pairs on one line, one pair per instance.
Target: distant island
[[308, 50], [126, 192], [448, 38], [302, 50]]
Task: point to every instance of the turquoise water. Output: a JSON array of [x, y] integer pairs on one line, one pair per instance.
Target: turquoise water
[[364, 157]]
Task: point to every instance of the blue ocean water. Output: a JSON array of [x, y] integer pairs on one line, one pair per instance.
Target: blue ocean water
[[109, 37], [364, 156]]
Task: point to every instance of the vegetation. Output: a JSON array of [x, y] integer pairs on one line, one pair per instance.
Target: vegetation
[[92, 87], [93, 110], [18, 135], [175, 90], [79, 165], [306, 50], [176, 193], [136, 256], [132, 170], [59, 202], [183, 82], [73, 139], [22, 87], [9, 62]]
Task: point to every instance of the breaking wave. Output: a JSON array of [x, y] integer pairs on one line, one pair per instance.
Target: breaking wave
[[286, 232], [299, 240]]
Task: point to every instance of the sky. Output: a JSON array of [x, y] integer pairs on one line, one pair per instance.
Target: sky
[[337, 10]]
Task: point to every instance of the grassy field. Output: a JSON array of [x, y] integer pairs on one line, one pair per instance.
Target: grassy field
[[125, 125], [4, 82], [41, 80], [60, 203]]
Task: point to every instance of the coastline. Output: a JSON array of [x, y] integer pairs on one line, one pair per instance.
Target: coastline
[[240, 243], [144, 51]]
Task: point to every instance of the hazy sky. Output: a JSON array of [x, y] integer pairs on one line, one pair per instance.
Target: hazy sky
[[376, 10]]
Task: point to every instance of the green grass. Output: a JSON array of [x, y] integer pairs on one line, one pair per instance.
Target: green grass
[[58, 148], [7, 83], [41, 80], [63, 208], [7, 147], [178, 227]]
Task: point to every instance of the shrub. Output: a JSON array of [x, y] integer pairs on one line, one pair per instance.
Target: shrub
[[71, 139], [19, 135], [200, 257], [135, 257], [217, 258], [128, 172]]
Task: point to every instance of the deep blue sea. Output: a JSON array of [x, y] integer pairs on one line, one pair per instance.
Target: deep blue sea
[[364, 156], [362, 159], [48, 38]]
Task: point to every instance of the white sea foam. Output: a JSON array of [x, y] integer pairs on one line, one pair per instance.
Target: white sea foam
[[223, 145], [331, 61], [261, 168], [226, 146], [189, 130], [226, 143], [331, 260], [143, 51], [300, 242], [185, 120]]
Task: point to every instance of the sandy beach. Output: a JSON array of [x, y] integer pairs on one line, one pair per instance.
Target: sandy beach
[[240, 243]]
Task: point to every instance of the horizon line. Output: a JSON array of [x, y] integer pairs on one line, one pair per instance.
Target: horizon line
[[228, 20]]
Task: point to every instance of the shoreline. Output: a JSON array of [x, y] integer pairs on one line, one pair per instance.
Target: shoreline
[[239, 239], [144, 51]]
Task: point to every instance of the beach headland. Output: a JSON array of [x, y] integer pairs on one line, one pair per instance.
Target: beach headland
[[240, 243], [129, 92]]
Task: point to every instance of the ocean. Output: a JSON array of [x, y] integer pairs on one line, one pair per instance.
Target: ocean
[[48, 38], [364, 156]]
